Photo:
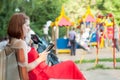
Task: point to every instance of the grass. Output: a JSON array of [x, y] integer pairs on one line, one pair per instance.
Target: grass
[[101, 60], [99, 66]]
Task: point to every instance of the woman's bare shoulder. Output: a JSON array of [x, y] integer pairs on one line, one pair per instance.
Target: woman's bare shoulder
[[19, 43]]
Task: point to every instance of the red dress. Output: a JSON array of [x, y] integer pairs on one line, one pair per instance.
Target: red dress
[[64, 70]]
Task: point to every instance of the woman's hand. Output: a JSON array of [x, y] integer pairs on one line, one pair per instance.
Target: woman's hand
[[43, 55]]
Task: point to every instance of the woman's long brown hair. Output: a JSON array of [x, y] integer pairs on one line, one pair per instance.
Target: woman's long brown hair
[[16, 22]]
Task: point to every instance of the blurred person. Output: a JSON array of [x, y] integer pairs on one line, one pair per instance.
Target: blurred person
[[3, 43], [116, 38], [102, 39], [72, 39], [46, 35], [85, 38]]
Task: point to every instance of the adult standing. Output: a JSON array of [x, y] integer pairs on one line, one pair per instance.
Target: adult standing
[[116, 37], [3, 43], [72, 37], [45, 31]]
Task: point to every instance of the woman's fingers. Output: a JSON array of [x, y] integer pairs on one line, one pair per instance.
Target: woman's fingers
[[45, 52], [43, 55]]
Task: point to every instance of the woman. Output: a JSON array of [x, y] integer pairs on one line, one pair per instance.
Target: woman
[[17, 28], [34, 62]]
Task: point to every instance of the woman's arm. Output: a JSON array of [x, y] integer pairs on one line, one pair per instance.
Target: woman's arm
[[42, 57], [22, 68]]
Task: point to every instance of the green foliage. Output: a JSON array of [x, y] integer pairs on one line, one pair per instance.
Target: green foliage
[[6, 10], [40, 11], [100, 4], [110, 6], [44, 11], [62, 31]]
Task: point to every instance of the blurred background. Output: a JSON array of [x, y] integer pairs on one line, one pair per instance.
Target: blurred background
[[41, 11]]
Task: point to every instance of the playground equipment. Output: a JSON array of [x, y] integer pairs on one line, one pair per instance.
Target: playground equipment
[[61, 43], [88, 18], [114, 57]]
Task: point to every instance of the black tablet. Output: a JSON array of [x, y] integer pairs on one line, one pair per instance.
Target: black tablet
[[50, 46]]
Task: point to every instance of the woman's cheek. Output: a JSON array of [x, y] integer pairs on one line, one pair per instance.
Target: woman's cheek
[[24, 32]]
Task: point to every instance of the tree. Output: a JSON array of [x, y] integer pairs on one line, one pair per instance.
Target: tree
[[39, 11]]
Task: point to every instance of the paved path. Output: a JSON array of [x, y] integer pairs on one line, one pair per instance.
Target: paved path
[[97, 74]]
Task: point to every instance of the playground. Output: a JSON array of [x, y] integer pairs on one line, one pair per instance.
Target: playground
[[98, 32], [97, 35]]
